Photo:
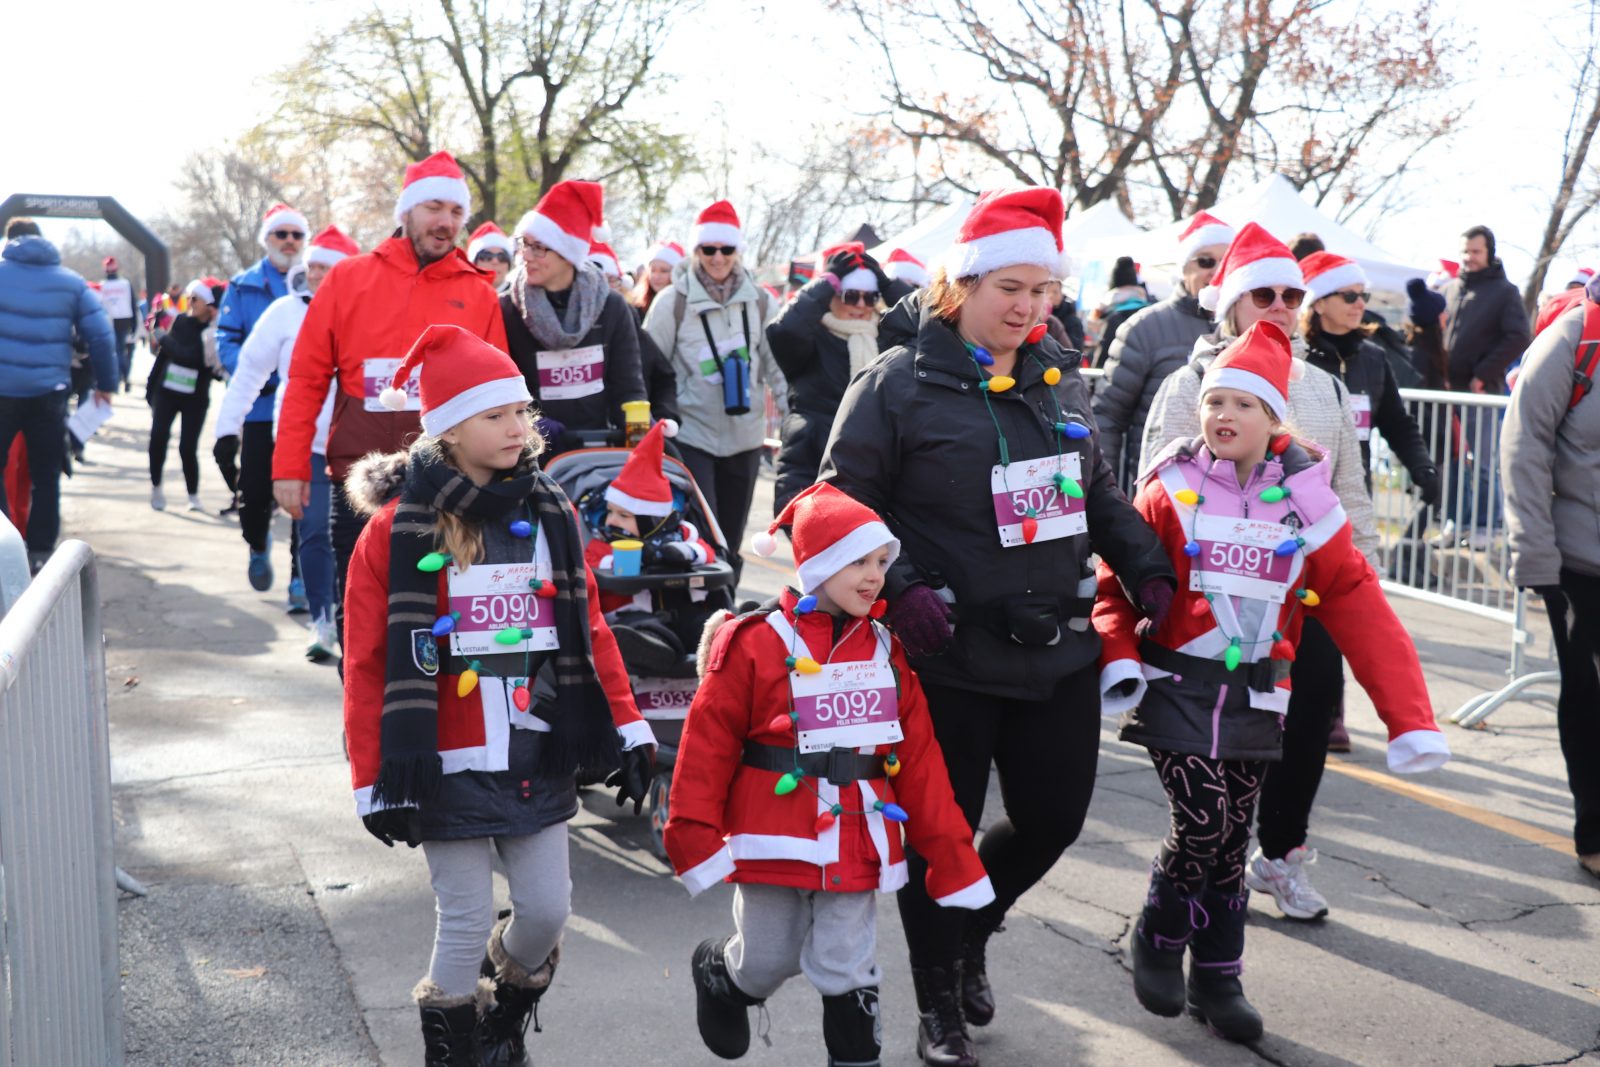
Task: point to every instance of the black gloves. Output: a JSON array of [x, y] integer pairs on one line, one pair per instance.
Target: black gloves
[[667, 555], [632, 779], [841, 263], [877, 272], [226, 450], [1428, 488], [395, 824]]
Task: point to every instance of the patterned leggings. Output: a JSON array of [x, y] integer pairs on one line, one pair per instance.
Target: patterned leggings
[[1212, 802]]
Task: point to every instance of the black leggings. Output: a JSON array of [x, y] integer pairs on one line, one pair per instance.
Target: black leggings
[[1045, 752], [165, 406], [729, 484], [1212, 801], [1575, 627], [1291, 785], [255, 484]]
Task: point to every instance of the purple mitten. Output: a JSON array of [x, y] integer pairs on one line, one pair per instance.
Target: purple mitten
[[549, 428], [921, 619], [1155, 596]]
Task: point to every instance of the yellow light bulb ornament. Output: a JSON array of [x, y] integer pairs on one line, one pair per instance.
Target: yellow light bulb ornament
[[1308, 597], [807, 665], [468, 681], [999, 383], [1187, 497], [1052, 375]]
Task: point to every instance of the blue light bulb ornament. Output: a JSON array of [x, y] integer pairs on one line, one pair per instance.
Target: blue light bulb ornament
[[1074, 431], [1288, 548], [445, 625], [1191, 548], [983, 357], [522, 528], [891, 811], [805, 605]]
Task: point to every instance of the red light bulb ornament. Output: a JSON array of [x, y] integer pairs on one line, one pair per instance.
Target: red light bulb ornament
[[542, 588], [780, 724], [879, 607], [1036, 335], [824, 822], [521, 697], [1030, 526], [1281, 648], [1279, 443]]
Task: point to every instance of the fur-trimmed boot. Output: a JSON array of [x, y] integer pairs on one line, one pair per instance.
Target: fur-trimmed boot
[[449, 1026], [1216, 996], [852, 1028], [942, 1038], [977, 996], [513, 994], [721, 1008], [1162, 933]]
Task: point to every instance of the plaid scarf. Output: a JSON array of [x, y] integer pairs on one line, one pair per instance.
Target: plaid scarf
[[411, 770]]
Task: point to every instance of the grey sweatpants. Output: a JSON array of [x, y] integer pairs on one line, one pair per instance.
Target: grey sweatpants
[[779, 932], [463, 886]]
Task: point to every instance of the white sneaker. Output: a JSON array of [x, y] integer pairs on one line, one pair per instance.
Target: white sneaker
[[158, 499], [1286, 880], [194, 502], [324, 641]]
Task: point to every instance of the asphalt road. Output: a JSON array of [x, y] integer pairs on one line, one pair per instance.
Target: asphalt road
[[278, 932]]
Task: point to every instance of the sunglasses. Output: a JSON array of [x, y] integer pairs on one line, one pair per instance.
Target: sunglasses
[[854, 297], [718, 250], [284, 235], [1264, 296], [1351, 298], [1205, 262], [497, 256], [534, 250]]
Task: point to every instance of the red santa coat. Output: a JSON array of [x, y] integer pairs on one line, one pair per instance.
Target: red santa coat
[[597, 554], [468, 741], [1351, 603], [725, 819]]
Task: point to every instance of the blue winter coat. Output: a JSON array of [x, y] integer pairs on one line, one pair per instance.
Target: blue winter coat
[[40, 303], [249, 294]]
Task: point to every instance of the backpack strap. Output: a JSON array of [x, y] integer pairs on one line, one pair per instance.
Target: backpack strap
[[1587, 356]]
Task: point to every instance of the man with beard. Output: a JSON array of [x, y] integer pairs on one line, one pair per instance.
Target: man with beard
[[367, 314]]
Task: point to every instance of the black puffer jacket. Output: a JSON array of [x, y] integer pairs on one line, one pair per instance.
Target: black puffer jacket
[[182, 346], [1486, 327], [1361, 364], [617, 331], [914, 440]]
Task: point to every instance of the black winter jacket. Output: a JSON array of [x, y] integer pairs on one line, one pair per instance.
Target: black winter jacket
[[814, 360], [1486, 327], [914, 440], [181, 346], [617, 331], [1361, 364]]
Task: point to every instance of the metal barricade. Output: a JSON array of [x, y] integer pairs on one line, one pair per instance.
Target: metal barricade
[[60, 986]]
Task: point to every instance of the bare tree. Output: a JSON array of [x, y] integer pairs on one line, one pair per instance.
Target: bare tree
[[1578, 191]]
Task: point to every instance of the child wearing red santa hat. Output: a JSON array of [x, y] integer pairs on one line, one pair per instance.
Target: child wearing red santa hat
[[1259, 540], [807, 753]]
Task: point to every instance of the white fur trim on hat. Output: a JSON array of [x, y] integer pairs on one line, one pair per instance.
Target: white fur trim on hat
[[199, 290], [435, 187], [541, 228], [910, 273], [861, 278], [1331, 281], [718, 233], [867, 537], [490, 241], [470, 402], [635, 504], [328, 256], [1217, 299], [290, 217], [1204, 237], [1248, 382], [1034, 246]]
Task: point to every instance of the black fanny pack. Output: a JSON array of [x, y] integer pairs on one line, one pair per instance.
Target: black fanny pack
[[1030, 619]]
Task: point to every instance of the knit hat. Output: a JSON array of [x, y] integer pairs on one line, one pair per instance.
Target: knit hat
[[461, 375], [1008, 228], [902, 266], [280, 216], [1124, 273], [829, 531], [640, 486], [109, 263], [488, 237], [1254, 259], [1203, 231], [330, 246], [1582, 276], [860, 278], [1259, 362], [601, 255], [718, 225], [435, 178], [668, 252], [1327, 273]]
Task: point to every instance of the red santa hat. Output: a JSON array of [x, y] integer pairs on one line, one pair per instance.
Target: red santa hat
[[330, 245], [640, 486], [1259, 362], [860, 278], [1008, 228], [109, 263], [1448, 270], [1254, 259], [488, 237], [461, 375], [601, 255], [829, 531], [568, 218], [902, 266], [281, 217], [206, 290], [1326, 274], [668, 252], [718, 225], [1582, 276], [435, 178], [1203, 231]]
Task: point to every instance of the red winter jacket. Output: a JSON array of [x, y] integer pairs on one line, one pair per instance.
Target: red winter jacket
[[372, 306], [725, 818]]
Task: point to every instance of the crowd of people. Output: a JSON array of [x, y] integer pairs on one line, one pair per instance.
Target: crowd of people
[[989, 557]]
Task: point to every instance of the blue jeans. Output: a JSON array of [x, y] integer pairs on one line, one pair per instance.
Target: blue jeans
[[122, 330], [316, 543], [1470, 501]]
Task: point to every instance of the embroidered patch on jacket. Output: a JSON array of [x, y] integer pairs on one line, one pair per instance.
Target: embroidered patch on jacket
[[425, 651]]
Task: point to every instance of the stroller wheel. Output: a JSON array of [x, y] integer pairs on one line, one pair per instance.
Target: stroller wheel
[[660, 785]]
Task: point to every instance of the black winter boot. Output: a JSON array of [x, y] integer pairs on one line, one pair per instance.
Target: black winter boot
[[1159, 938], [1216, 996], [977, 996], [449, 1027], [512, 994], [721, 1008], [942, 1038], [852, 1028]]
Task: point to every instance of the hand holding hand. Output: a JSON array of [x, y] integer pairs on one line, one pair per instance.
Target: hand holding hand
[[921, 619]]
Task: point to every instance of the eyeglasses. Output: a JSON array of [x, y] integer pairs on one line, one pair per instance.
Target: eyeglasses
[[284, 235], [1205, 262], [1351, 297], [1264, 296], [494, 254], [718, 250], [533, 250], [854, 297]]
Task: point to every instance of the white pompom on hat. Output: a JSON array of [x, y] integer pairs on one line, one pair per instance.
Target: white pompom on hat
[[1254, 260], [829, 531], [460, 374], [568, 218], [438, 177], [718, 224], [281, 216], [1327, 273], [1008, 228], [1259, 362]]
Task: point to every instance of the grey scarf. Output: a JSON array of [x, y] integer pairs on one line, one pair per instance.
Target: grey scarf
[[554, 332], [722, 291]]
